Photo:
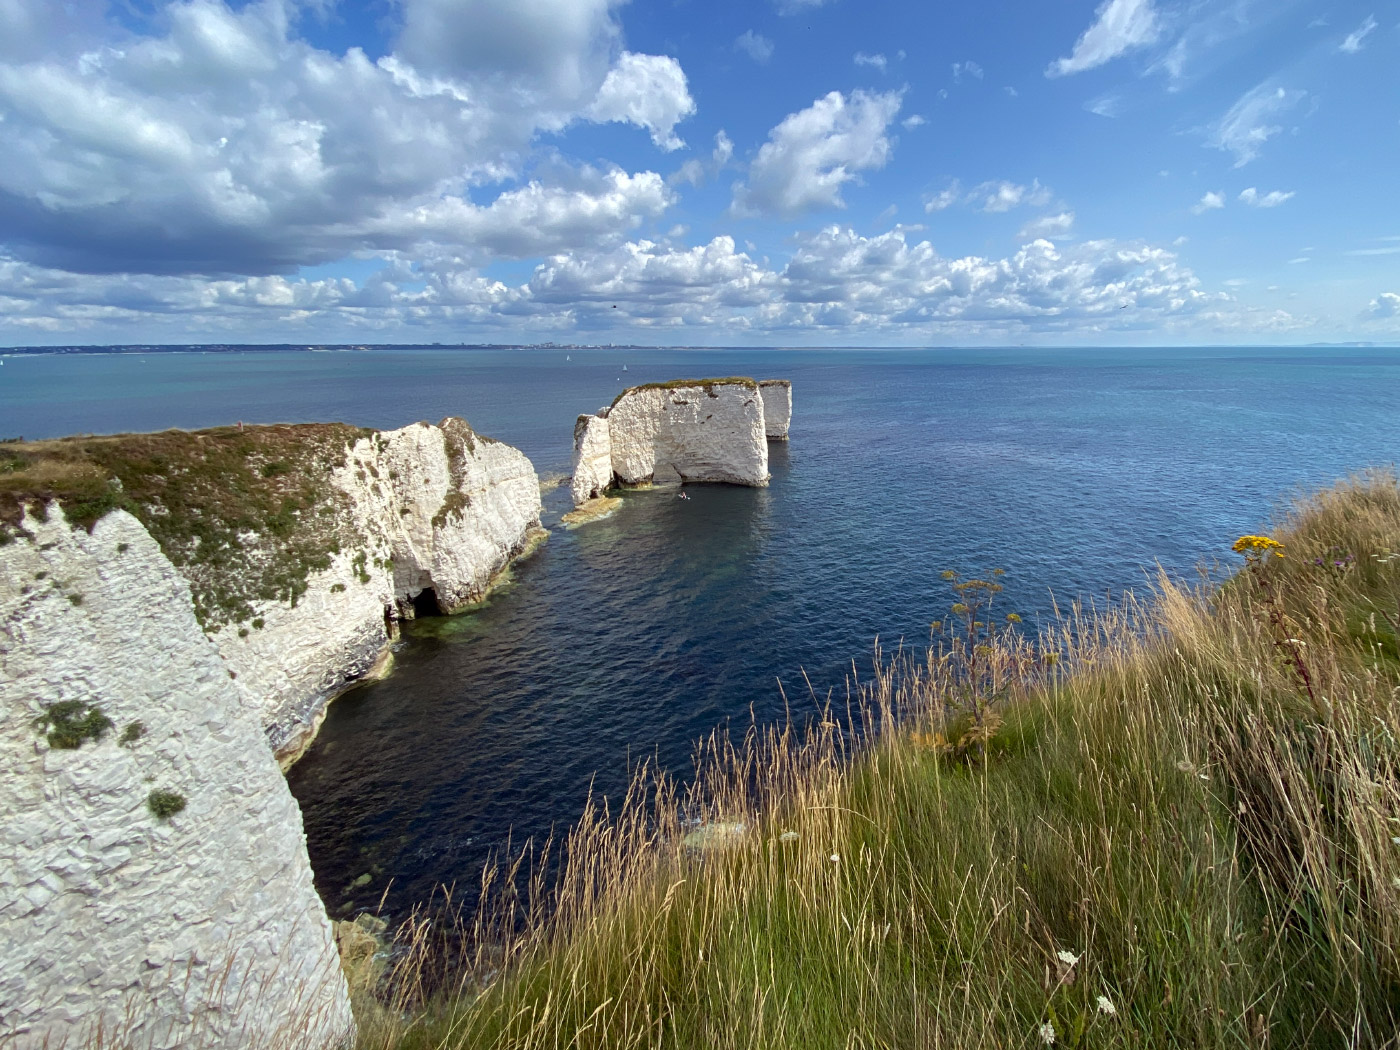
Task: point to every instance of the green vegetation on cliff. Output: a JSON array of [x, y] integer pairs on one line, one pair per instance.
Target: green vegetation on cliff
[[1173, 823], [246, 514]]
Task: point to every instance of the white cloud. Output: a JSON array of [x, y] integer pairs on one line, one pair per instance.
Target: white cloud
[[912, 121], [944, 198], [879, 62], [1002, 195], [696, 171], [1387, 304], [835, 280], [1250, 122], [1119, 27], [227, 145], [996, 195], [813, 153], [649, 91], [1011, 91], [1105, 106], [1272, 199], [1209, 202], [972, 69], [1049, 226], [757, 46], [797, 7], [1393, 249], [1356, 39]]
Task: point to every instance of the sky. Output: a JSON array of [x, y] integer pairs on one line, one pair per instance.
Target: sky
[[700, 172]]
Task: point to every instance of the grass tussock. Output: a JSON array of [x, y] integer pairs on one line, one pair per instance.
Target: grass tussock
[[1171, 823]]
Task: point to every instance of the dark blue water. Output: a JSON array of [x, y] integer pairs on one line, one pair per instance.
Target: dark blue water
[[631, 637]]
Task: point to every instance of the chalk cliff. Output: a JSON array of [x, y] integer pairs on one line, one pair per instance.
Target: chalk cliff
[[685, 430], [198, 928], [438, 513], [170, 604], [777, 407]]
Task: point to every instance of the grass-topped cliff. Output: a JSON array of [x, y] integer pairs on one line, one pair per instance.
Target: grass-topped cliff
[[1174, 823], [246, 514]]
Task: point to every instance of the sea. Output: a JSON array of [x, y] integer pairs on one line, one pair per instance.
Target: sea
[[1079, 472]]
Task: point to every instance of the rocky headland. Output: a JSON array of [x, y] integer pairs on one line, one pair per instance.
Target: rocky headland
[[176, 611]]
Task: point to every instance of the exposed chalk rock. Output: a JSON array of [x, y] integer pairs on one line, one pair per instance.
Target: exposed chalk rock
[[593, 471], [777, 407], [670, 433], [442, 511], [200, 930], [303, 545]]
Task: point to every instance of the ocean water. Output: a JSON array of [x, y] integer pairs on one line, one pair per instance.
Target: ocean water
[[1076, 471]]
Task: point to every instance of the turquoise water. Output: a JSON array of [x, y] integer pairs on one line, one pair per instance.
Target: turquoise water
[[1075, 470]]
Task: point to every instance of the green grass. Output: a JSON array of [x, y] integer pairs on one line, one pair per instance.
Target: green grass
[[1204, 821]]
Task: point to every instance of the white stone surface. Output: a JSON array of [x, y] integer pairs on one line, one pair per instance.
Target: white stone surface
[[690, 432], [398, 481], [203, 930], [592, 459], [777, 407]]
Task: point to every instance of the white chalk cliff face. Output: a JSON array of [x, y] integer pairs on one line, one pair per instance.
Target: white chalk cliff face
[[673, 432], [777, 407], [593, 471], [438, 509], [199, 930]]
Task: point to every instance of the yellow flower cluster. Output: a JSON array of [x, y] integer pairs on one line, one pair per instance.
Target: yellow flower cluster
[[1257, 546]]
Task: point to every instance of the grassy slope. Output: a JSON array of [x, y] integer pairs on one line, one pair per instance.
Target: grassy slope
[[1164, 800], [246, 514]]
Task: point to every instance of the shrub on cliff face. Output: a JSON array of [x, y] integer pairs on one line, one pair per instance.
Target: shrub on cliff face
[[165, 804], [68, 723]]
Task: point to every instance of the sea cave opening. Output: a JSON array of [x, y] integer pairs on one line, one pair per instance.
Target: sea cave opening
[[425, 603]]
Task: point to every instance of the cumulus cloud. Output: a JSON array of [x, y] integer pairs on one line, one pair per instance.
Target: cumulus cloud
[[1387, 304], [1119, 27], [972, 69], [1356, 39], [944, 198], [876, 61], [813, 153], [912, 121], [228, 145], [1209, 202], [836, 279], [1272, 199], [1049, 226], [649, 91], [1251, 121], [757, 46]]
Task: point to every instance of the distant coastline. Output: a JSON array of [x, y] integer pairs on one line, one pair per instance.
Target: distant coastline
[[253, 348]]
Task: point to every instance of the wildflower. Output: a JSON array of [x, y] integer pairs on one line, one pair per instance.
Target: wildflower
[[1295, 641], [788, 836], [836, 858], [1047, 1034], [1395, 839], [1106, 1007], [1012, 618], [1257, 546], [1068, 958]]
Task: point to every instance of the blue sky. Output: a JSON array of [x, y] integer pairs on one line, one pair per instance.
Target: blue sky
[[778, 172]]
